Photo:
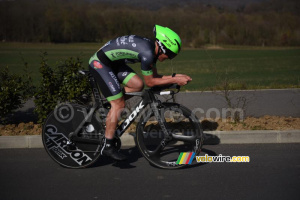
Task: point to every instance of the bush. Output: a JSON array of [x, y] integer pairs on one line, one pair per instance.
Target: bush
[[14, 91], [60, 84]]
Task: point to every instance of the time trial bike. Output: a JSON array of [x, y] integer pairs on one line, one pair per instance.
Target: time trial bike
[[73, 134]]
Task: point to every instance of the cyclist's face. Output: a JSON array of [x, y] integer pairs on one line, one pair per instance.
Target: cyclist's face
[[162, 57]]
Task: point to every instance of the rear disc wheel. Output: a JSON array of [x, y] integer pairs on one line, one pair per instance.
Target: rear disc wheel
[[65, 119]]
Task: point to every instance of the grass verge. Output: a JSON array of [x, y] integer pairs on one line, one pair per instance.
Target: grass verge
[[246, 67]]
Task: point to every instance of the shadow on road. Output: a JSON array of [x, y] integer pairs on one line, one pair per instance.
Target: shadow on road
[[210, 139], [209, 125], [134, 155]]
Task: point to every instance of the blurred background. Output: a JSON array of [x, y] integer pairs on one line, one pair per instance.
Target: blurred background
[[240, 44], [227, 45], [198, 22]]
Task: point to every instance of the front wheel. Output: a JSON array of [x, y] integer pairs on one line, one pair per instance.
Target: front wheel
[[162, 150]]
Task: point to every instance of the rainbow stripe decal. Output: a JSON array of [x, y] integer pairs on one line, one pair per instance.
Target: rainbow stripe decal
[[185, 158]]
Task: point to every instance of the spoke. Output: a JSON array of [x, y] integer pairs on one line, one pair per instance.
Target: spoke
[[183, 138], [158, 149]]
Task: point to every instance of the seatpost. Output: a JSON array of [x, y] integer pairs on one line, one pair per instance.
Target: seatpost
[[95, 90]]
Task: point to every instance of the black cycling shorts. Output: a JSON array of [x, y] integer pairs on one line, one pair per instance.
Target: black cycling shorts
[[109, 78]]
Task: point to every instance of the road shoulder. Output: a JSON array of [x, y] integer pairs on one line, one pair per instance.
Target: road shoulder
[[211, 138]]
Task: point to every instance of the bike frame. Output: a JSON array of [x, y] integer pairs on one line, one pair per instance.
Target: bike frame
[[148, 97]]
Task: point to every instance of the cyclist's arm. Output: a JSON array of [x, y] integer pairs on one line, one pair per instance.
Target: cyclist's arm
[[156, 75], [152, 78], [152, 81]]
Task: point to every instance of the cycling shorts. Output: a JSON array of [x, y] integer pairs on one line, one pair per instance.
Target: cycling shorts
[[109, 77]]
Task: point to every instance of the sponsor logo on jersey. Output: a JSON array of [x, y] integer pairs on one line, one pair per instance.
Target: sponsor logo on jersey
[[97, 65], [115, 79], [112, 86], [123, 54], [113, 55], [123, 40], [117, 41], [131, 38]]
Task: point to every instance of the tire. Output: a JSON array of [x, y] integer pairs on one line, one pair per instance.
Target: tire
[[178, 120], [64, 120]]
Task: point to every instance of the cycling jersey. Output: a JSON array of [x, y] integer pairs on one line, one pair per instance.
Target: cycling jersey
[[108, 64]]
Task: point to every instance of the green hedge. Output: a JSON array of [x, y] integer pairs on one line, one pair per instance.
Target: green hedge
[[60, 84], [14, 91]]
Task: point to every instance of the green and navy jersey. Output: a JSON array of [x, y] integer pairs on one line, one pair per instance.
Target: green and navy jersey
[[129, 49]]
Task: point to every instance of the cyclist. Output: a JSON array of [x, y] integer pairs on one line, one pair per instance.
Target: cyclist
[[109, 67]]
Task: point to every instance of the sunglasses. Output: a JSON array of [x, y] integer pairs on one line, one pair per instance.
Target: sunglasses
[[170, 54]]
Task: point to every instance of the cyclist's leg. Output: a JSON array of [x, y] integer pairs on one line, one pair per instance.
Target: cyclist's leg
[[131, 81], [112, 117], [111, 89], [106, 80], [108, 149]]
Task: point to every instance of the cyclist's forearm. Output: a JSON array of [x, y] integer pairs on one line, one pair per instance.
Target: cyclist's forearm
[[161, 76], [166, 77], [157, 76], [160, 81]]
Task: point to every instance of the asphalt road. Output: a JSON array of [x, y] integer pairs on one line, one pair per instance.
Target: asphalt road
[[273, 173]]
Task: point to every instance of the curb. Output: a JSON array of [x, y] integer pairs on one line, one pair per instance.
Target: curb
[[211, 138], [251, 137], [32, 141]]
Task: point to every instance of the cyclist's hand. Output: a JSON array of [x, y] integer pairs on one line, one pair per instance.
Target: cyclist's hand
[[183, 80]]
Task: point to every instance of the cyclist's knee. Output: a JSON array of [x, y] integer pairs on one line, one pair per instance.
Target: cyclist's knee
[[118, 104], [135, 84], [139, 84]]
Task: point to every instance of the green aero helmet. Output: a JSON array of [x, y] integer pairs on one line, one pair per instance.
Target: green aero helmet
[[168, 41]]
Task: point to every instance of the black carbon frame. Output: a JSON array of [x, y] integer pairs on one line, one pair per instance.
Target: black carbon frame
[[148, 97]]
